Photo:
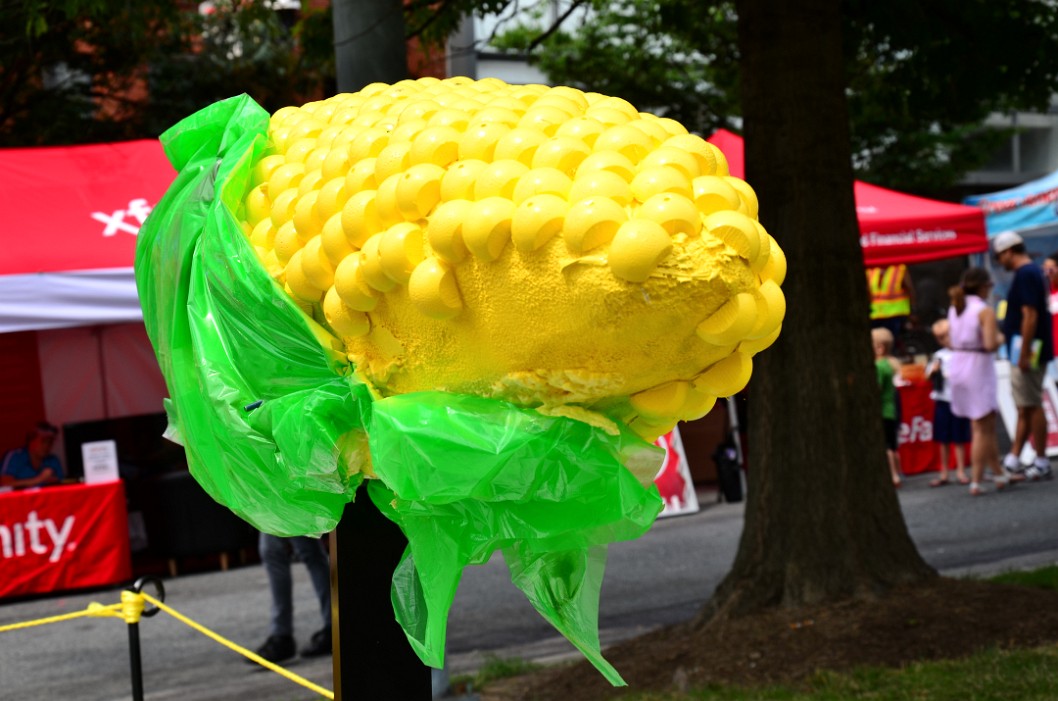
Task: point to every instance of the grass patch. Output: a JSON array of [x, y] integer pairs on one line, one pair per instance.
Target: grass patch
[[502, 668], [494, 668], [996, 675], [1042, 578]]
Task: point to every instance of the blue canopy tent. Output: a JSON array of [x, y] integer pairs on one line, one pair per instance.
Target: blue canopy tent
[[1031, 209], [1026, 207]]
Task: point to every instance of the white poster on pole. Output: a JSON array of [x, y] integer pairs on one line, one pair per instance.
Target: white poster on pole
[[1009, 413]]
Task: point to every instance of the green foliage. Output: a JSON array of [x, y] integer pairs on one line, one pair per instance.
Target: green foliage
[[921, 77], [101, 70], [632, 49], [243, 48], [58, 61], [433, 22]]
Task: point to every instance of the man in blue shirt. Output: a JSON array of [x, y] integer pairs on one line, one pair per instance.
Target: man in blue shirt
[[1028, 321], [34, 465]]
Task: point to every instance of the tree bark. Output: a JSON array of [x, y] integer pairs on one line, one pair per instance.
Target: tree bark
[[822, 519]]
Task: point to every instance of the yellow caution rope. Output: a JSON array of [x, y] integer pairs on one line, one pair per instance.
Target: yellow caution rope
[[131, 608], [92, 610], [326, 693]]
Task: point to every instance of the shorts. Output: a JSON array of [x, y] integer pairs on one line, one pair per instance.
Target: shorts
[[895, 324], [947, 427], [1027, 386], [891, 426]]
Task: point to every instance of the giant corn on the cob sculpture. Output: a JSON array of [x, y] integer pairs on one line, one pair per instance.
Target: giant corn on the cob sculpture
[[481, 297], [542, 245]]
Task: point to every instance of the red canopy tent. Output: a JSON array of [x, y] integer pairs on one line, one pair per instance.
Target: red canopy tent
[[72, 215], [895, 227], [72, 342]]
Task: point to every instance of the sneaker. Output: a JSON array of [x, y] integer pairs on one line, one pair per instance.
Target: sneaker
[[1012, 465], [1038, 472], [319, 644], [277, 648]]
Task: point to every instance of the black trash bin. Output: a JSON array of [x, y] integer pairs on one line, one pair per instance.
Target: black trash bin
[[728, 472]]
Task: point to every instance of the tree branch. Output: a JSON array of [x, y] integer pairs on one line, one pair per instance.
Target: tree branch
[[437, 13], [554, 26]]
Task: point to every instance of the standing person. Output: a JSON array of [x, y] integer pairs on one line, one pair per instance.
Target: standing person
[[974, 336], [1027, 320], [33, 465], [276, 554], [950, 432], [885, 367], [892, 298]]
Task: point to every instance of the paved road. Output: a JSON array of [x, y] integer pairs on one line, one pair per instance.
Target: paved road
[[662, 578], [666, 576]]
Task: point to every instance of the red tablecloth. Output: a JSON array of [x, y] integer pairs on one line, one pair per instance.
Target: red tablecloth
[[64, 537], [918, 452]]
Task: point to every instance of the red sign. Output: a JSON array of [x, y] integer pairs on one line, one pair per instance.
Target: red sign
[[674, 478], [65, 537]]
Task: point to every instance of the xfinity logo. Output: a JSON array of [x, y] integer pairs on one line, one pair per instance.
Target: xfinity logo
[[115, 221], [16, 538]]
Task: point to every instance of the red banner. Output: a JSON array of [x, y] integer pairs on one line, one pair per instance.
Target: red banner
[[65, 537], [918, 452]]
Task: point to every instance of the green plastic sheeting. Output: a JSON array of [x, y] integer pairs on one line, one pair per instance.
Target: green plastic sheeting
[[278, 428], [227, 337], [464, 476]]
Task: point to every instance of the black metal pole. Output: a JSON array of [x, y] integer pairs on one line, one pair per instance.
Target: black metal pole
[[134, 661], [372, 657]]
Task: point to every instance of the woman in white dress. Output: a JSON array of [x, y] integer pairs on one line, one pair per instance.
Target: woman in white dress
[[975, 337]]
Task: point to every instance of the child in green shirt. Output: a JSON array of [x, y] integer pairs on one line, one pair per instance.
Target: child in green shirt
[[885, 366]]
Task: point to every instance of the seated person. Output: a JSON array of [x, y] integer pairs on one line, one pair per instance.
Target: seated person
[[34, 465]]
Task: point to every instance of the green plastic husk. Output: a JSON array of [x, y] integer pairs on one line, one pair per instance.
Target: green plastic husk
[[278, 427]]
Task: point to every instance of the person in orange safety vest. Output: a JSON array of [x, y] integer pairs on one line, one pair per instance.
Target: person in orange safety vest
[[892, 297]]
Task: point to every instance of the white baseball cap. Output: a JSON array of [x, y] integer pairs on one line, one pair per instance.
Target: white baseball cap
[[1005, 240]]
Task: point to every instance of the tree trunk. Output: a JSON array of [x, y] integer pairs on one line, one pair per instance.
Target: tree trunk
[[822, 518]]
